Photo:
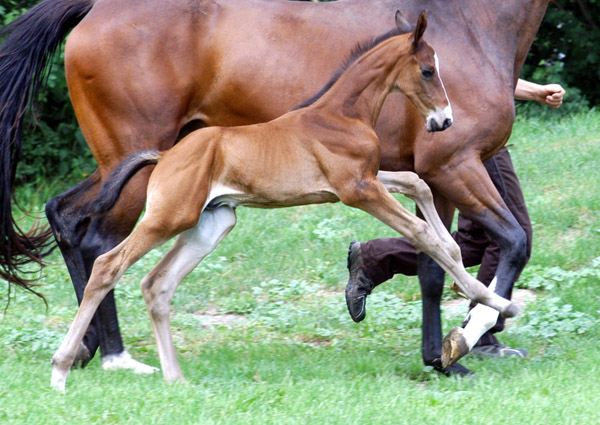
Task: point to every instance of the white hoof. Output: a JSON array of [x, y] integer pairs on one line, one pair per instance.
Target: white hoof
[[125, 361], [58, 380]]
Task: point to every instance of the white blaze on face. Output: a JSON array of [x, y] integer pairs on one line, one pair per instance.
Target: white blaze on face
[[439, 115]]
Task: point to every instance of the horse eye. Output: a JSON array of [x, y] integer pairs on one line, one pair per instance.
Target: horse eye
[[427, 73]]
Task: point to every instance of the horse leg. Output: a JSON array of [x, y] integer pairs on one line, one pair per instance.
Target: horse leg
[[159, 285], [379, 203], [409, 184], [473, 192], [431, 275], [107, 271], [69, 228], [81, 240], [437, 236]]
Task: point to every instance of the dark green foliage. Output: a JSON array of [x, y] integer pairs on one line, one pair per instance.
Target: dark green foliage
[[566, 51], [53, 148]]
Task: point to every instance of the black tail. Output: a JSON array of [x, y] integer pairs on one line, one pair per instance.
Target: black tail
[[111, 188], [25, 54]]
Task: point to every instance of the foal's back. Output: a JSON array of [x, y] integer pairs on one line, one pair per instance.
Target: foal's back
[[286, 162]]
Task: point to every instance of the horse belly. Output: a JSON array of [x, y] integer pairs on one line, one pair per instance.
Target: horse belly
[[232, 197]]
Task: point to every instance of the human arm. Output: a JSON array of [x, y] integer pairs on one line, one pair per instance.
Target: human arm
[[548, 94]]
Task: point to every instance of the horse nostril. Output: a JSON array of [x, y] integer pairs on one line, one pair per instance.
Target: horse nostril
[[447, 123]]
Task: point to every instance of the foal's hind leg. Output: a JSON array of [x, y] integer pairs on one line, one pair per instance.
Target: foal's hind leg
[[159, 285]]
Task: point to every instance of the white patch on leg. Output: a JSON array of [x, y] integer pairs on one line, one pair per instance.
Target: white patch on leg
[[58, 380], [481, 319], [124, 360]]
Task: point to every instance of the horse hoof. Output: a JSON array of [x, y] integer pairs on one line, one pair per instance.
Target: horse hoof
[[453, 370], [454, 347], [60, 372]]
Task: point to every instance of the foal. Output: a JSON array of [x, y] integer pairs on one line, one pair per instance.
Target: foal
[[326, 151]]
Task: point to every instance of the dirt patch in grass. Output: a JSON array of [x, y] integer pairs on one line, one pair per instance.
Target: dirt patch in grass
[[211, 318]]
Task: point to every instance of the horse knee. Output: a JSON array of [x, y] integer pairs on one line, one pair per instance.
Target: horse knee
[[422, 190], [454, 251], [69, 227], [421, 235], [517, 246]]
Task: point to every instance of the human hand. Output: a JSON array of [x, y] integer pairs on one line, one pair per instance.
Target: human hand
[[548, 94], [551, 95]]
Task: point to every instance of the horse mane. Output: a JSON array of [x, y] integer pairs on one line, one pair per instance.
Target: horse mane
[[357, 51]]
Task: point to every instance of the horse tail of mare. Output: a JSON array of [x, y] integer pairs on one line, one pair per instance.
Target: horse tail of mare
[[28, 45], [113, 186]]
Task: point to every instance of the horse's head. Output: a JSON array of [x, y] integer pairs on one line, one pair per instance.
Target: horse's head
[[420, 79]]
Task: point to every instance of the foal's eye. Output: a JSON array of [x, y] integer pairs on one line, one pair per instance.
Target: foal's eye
[[427, 73]]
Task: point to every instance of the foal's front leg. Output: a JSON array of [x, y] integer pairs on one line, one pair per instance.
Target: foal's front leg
[[159, 285], [409, 184], [373, 198]]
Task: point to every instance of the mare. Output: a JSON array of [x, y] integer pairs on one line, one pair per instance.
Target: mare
[[326, 151], [143, 73]]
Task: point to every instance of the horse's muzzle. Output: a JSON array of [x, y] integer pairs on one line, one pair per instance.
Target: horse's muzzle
[[433, 125]]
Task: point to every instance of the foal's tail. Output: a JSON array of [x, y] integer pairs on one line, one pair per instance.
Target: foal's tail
[[25, 55], [113, 186]]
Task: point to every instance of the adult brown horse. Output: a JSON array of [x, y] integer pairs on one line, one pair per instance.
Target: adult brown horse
[[143, 73]]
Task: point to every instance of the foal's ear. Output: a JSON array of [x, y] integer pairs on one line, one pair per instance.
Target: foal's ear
[[419, 30], [402, 24]]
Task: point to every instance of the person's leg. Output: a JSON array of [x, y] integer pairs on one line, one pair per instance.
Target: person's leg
[[372, 263], [378, 260]]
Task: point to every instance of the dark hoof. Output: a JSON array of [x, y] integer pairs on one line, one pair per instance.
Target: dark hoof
[[82, 358], [454, 347], [455, 370]]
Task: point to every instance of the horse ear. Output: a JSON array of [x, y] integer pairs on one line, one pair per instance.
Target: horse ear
[[402, 24], [419, 30]]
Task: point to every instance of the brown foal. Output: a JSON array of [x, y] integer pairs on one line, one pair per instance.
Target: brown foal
[[324, 152]]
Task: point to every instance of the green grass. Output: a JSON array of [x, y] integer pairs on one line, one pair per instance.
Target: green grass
[[291, 354]]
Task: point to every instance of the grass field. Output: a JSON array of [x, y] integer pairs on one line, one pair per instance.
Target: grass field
[[263, 335]]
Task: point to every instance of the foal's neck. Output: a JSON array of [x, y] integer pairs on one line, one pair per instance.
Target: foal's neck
[[360, 91]]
